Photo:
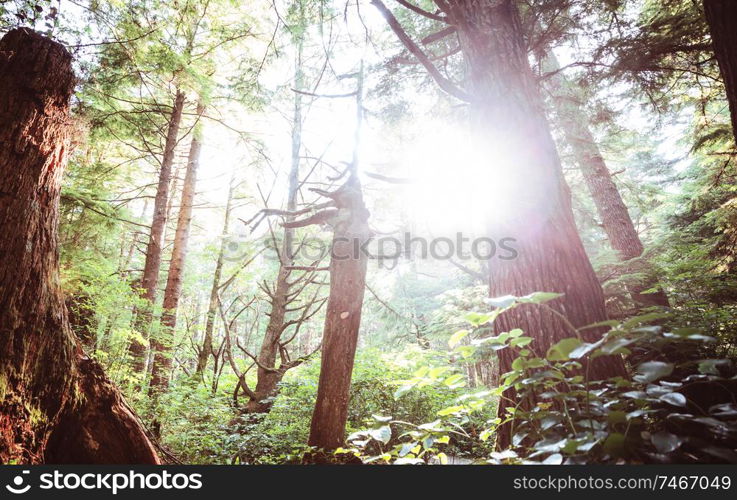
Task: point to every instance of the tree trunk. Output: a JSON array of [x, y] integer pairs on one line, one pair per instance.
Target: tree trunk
[[150, 279], [212, 308], [267, 381], [343, 315], [513, 133], [615, 217], [162, 346], [56, 404], [722, 18], [342, 320]]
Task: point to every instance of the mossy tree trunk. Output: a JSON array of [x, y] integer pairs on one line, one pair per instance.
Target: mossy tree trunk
[[56, 404]]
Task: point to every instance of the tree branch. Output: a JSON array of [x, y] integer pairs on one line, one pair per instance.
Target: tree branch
[[422, 12], [445, 84]]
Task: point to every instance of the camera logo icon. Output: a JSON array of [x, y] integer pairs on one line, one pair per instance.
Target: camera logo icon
[[17, 487]]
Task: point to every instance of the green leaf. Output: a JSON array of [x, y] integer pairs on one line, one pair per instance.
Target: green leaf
[[521, 341], [403, 390], [652, 370], [561, 350], [457, 337], [501, 302], [643, 318], [540, 297], [614, 444], [674, 398], [455, 381], [381, 419], [554, 459], [383, 434], [451, 410], [615, 346], [406, 448], [616, 417], [584, 349], [710, 366], [478, 319], [665, 442]]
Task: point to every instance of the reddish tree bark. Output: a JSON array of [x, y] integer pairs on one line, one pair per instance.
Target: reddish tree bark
[[615, 217], [152, 265], [162, 346], [722, 18], [342, 318], [509, 119], [530, 201], [345, 302], [56, 404]]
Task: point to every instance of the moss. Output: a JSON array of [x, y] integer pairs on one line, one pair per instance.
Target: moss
[[36, 417]]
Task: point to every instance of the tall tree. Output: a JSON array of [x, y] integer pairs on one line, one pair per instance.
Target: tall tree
[[152, 266], [722, 18], [345, 302], [615, 218], [285, 295], [512, 131], [57, 404], [206, 350], [161, 346]]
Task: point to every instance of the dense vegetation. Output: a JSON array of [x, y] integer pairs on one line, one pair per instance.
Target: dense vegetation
[[547, 189]]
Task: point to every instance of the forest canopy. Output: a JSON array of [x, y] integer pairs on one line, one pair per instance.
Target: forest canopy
[[368, 231]]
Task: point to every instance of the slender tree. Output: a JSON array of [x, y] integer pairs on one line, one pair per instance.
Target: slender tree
[[206, 350], [284, 297], [161, 346], [152, 265], [57, 404]]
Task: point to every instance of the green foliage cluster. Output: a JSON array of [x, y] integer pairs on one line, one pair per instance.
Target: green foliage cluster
[[677, 407]]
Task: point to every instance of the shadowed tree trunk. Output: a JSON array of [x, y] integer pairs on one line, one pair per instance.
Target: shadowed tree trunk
[[615, 217], [152, 265], [722, 18], [162, 346], [56, 404]]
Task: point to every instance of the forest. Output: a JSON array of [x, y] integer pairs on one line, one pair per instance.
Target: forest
[[368, 232]]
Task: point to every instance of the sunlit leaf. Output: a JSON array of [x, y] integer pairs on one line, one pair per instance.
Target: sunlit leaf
[[562, 349]]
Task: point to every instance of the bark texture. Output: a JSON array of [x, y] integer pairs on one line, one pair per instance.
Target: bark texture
[[56, 404], [342, 318], [722, 18], [343, 315], [152, 265], [612, 211], [162, 346], [510, 124]]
